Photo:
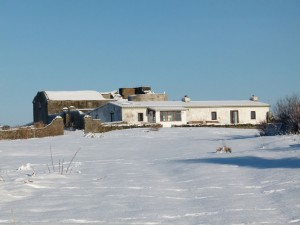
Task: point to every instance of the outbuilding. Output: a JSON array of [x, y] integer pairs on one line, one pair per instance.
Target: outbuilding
[[47, 104]]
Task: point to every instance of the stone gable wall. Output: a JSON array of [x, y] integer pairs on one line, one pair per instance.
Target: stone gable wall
[[57, 106]]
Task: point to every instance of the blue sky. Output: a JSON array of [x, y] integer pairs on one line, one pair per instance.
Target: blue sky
[[207, 49]]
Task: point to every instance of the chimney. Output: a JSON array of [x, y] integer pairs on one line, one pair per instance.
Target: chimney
[[186, 99], [254, 98]]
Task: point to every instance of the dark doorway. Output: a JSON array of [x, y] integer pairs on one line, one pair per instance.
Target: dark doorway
[[234, 117], [112, 117]]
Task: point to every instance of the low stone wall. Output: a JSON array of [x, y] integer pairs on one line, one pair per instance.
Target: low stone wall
[[55, 128], [96, 126]]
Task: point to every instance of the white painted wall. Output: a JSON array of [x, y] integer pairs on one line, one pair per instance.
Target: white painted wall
[[130, 115], [223, 114], [104, 113]]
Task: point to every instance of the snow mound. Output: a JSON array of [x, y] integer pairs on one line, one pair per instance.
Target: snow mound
[[25, 167]]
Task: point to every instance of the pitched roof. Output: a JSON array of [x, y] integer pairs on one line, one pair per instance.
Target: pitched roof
[[73, 95]]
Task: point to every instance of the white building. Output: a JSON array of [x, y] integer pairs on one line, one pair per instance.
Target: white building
[[170, 113]]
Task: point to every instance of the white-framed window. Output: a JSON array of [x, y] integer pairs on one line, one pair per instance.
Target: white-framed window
[[168, 116]]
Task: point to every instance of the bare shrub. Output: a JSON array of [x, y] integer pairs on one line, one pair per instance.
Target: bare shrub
[[262, 128], [61, 164], [287, 112], [269, 129]]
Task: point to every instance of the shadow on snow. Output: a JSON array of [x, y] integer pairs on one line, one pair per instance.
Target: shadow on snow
[[249, 161], [294, 147], [234, 137]]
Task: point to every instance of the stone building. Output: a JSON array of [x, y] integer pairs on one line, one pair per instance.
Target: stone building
[[141, 94], [48, 104]]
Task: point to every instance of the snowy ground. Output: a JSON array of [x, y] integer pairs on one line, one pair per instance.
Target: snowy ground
[[139, 176]]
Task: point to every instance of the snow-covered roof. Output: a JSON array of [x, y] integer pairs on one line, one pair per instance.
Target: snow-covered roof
[[73, 95], [108, 92], [192, 104], [166, 108], [114, 94]]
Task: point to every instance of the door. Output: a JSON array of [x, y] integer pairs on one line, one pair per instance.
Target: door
[[112, 117], [234, 116], [151, 116]]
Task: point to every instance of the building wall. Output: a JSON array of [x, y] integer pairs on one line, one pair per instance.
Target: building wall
[[125, 92], [223, 115], [148, 97], [57, 106], [200, 115], [107, 113], [130, 115]]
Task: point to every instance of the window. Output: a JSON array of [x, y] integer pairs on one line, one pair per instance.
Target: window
[[213, 115], [253, 115], [140, 116], [170, 116]]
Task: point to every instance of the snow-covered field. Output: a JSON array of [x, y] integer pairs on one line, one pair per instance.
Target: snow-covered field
[[140, 176]]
